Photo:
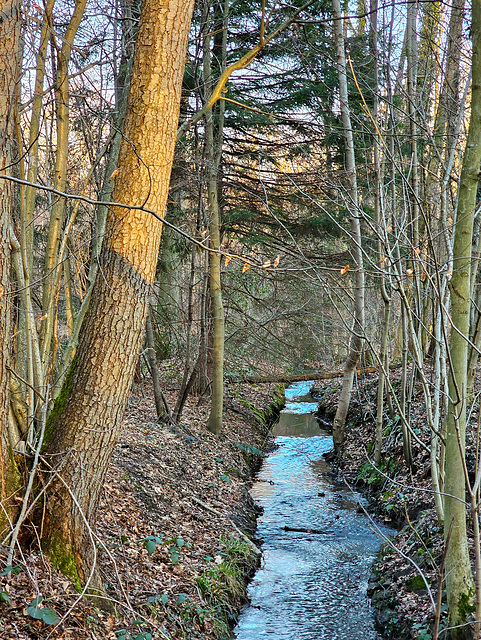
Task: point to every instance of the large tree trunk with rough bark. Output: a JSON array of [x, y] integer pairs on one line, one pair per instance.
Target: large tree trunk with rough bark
[[83, 427], [9, 37], [459, 580]]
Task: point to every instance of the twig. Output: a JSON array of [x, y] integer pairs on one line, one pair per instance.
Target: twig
[[31, 477], [255, 549], [305, 530]]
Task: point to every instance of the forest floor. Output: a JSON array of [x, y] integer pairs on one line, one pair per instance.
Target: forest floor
[[172, 557], [169, 547]]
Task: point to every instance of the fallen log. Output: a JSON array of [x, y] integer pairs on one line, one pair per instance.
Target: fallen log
[[288, 378]]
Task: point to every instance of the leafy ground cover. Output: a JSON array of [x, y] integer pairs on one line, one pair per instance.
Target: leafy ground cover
[[173, 560]]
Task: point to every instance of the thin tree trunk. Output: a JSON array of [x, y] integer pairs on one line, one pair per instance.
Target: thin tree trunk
[[161, 405], [213, 156], [9, 41], [356, 340], [52, 264], [459, 580]]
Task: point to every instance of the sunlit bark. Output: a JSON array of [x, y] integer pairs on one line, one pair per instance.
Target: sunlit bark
[[84, 425]]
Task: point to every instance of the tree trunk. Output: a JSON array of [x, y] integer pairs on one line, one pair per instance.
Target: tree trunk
[[9, 38], [83, 427], [358, 328], [213, 154], [459, 580], [161, 405], [52, 264]]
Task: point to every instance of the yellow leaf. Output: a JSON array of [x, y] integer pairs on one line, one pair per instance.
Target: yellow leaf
[[344, 270], [115, 173], [227, 260], [423, 276], [449, 272], [246, 267], [276, 261], [409, 272], [417, 251], [266, 264]]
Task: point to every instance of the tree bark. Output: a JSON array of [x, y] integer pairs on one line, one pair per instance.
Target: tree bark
[[9, 39], [214, 143], [459, 580], [357, 334], [84, 425]]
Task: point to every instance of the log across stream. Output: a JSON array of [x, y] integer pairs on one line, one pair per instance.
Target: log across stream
[[318, 545]]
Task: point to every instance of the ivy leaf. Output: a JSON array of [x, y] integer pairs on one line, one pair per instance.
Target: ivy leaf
[[49, 616], [15, 570]]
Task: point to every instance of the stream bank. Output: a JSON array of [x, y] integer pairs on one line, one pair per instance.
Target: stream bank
[[318, 544], [171, 548], [400, 598]]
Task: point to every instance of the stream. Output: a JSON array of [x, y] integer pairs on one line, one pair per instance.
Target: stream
[[310, 585]]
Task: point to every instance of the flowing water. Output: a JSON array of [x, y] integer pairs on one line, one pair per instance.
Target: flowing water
[[312, 584]]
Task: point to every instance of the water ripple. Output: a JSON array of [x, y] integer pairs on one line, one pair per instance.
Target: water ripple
[[311, 586]]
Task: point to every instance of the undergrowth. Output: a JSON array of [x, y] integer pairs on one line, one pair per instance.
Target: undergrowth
[[222, 585]]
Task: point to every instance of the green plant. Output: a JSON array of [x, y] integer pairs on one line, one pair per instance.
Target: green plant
[[222, 584], [4, 597], [250, 453], [175, 545], [14, 570], [49, 616], [150, 543], [423, 632], [374, 475], [162, 599]]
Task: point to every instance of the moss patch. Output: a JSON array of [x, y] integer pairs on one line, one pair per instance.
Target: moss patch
[[59, 404], [62, 558]]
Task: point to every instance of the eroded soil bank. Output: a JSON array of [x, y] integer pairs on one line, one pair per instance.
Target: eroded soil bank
[[173, 559]]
